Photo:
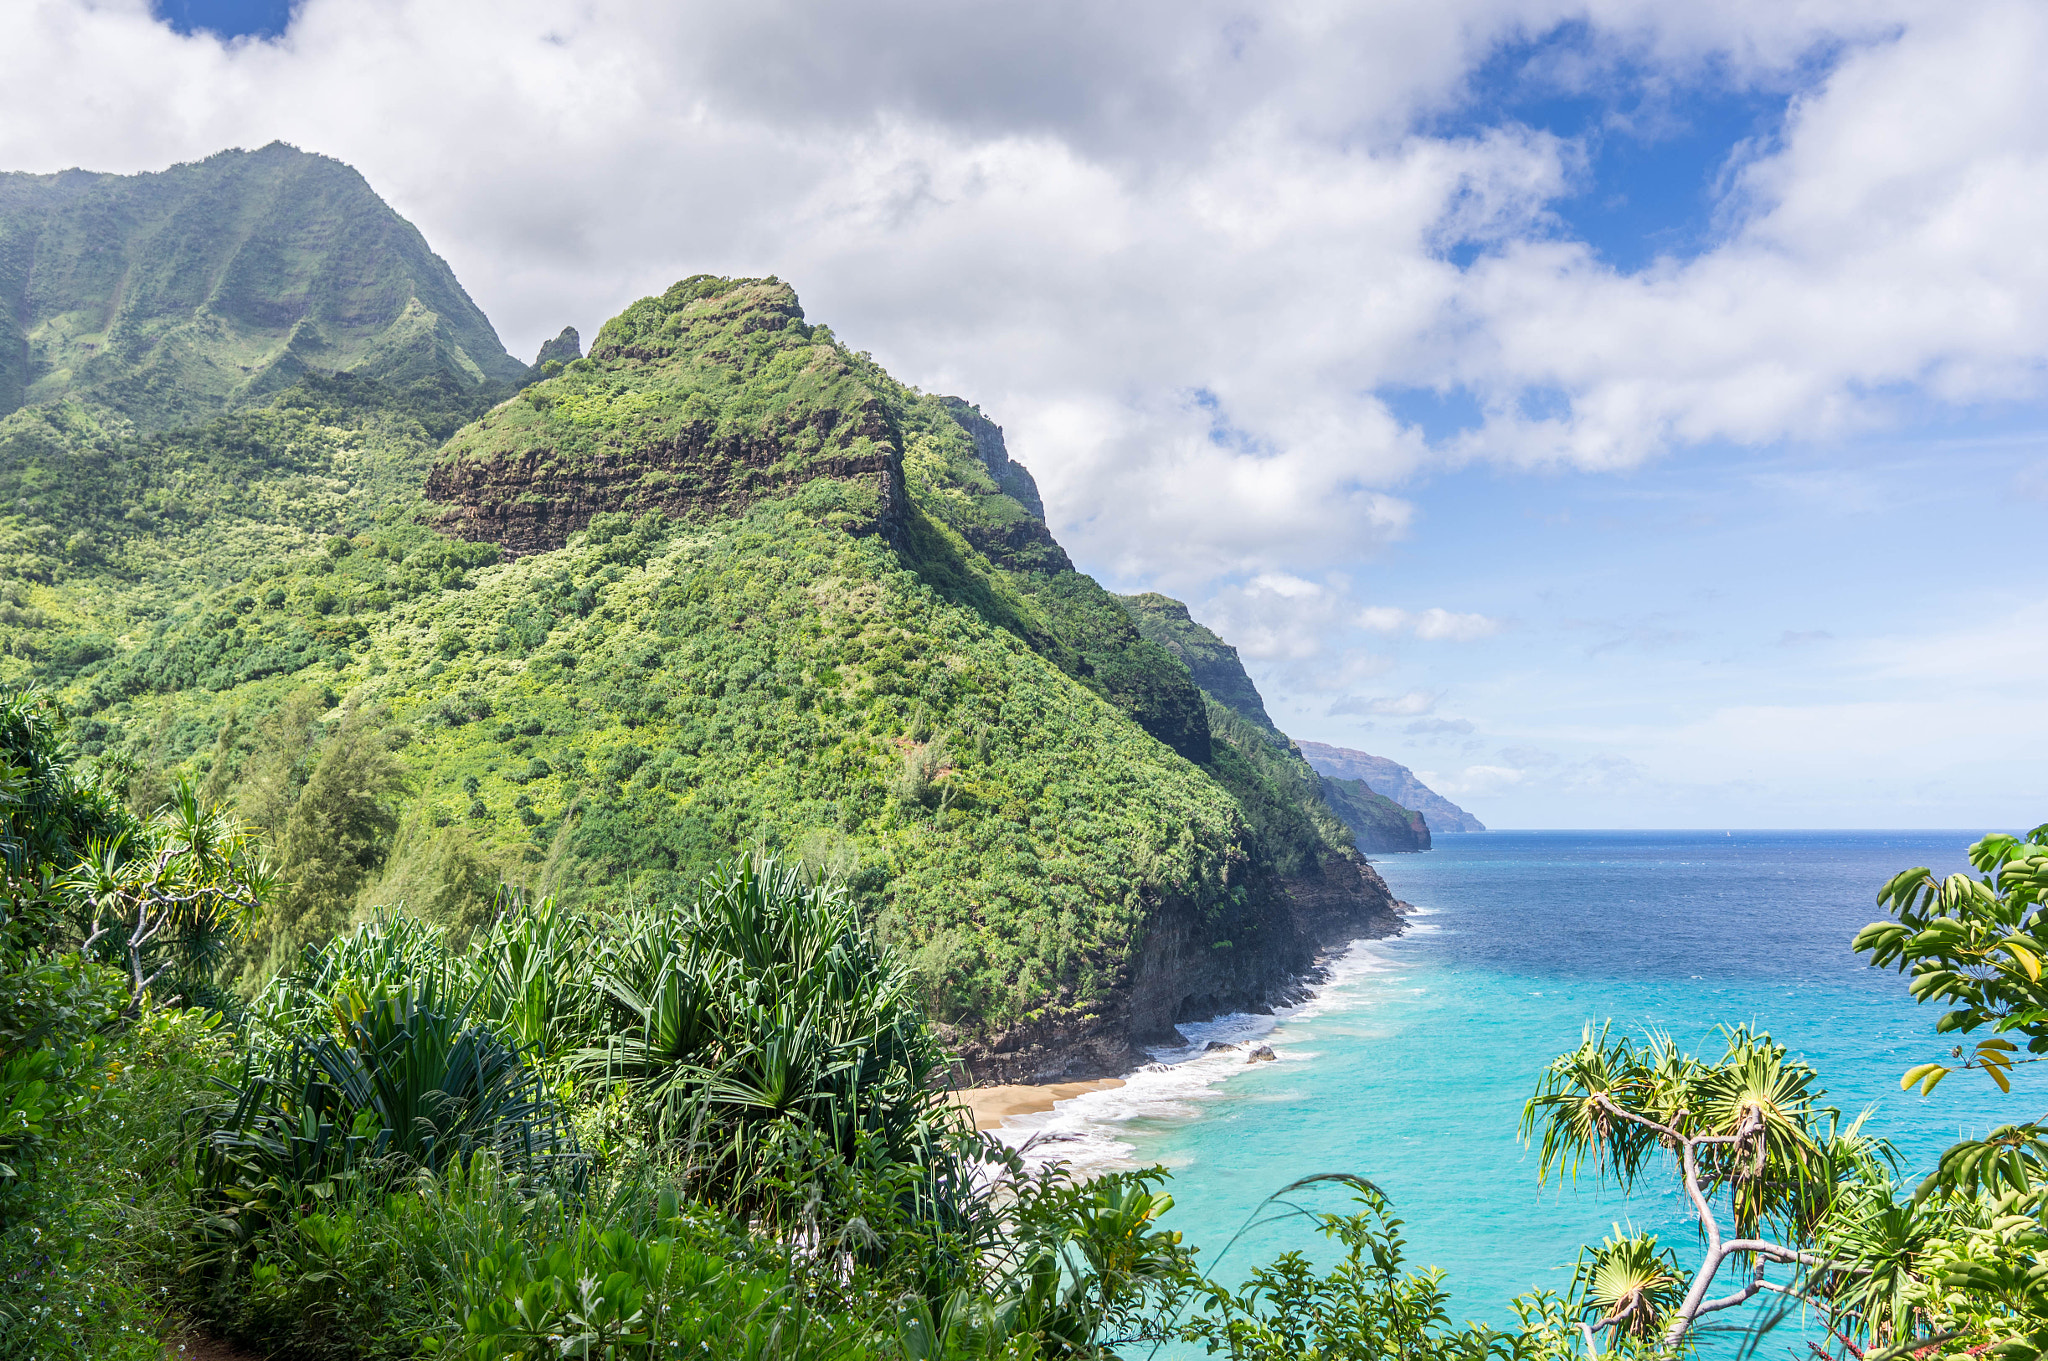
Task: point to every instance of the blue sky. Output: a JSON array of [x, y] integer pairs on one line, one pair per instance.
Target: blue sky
[[228, 18], [1625, 414]]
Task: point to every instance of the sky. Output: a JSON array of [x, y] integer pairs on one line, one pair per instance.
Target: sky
[[1626, 414]]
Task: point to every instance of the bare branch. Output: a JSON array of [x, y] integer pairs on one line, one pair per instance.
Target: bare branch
[[1602, 1100], [1741, 1296]]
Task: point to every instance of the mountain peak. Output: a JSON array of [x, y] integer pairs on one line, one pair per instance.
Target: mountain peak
[[703, 398], [177, 294]]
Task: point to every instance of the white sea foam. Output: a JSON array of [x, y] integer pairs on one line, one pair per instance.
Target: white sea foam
[[1091, 1132]]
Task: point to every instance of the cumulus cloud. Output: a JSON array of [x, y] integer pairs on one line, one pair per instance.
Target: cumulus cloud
[[1432, 625], [1181, 251], [1392, 706]]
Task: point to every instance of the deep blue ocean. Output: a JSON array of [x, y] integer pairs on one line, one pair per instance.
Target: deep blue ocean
[[1412, 1065]]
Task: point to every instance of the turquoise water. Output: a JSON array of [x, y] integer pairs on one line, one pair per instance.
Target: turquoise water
[[1412, 1065]]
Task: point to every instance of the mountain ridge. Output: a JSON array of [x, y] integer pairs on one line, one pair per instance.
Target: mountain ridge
[[1393, 780], [719, 583], [176, 295]]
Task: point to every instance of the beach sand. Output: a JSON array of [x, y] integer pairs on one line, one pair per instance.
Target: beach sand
[[993, 1105]]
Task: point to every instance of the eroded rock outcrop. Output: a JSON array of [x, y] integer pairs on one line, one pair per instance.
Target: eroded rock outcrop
[[698, 402]]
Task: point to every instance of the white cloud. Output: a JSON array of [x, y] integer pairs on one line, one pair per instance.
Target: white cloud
[[1869, 262], [1177, 249], [1390, 706], [1437, 624], [1473, 782], [1431, 625]]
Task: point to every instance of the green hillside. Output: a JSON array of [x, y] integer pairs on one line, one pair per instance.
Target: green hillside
[[1262, 766], [721, 584], [1212, 662], [1377, 822], [174, 296]]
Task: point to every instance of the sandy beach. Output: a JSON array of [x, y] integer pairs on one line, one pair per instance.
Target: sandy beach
[[993, 1105]]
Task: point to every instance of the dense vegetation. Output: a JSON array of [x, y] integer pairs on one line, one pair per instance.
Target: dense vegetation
[[907, 686], [716, 1125], [174, 296]]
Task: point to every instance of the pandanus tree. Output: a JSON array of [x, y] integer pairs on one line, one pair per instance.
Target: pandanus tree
[[1762, 1164], [164, 897], [1793, 1203], [173, 895], [765, 1010]]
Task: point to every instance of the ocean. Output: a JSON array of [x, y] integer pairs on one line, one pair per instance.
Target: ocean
[[1411, 1066]]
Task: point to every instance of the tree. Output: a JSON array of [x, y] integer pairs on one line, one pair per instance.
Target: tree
[[1761, 1161], [49, 810], [1779, 1183], [287, 742], [172, 895], [338, 832]]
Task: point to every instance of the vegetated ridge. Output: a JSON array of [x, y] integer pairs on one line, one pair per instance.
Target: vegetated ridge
[[722, 584], [1394, 780], [174, 296], [1377, 823]]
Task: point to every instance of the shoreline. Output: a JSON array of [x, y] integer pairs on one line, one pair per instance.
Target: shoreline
[[993, 1106]]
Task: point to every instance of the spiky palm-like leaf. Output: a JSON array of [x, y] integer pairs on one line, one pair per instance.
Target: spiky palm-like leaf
[[1766, 1102], [1628, 1285], [1575, 1109]]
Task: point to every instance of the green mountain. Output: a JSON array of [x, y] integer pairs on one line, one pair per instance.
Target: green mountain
[[1212, 662], [722, 583], [174, 296], [1393, 780], [1376, 821], [1237, 715]]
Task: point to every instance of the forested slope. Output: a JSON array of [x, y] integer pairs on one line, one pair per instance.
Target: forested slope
[[721, 584], [177, 295]]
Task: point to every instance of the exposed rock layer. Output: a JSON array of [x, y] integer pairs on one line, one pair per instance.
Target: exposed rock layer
[[526, 502], [1180, 976]]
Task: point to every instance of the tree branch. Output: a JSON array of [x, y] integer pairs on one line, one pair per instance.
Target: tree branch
[[1741, 1296]]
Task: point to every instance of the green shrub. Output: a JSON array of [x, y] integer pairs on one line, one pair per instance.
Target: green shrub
[[765, 1003], [615, 1294], [405, 1079]]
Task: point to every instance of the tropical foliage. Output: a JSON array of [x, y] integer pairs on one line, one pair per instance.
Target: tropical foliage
[[917, 689], [1798, 1208]]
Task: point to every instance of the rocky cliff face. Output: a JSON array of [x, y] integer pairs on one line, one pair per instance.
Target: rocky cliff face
[[699, 402], [1184, 973], [1393, 780]]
